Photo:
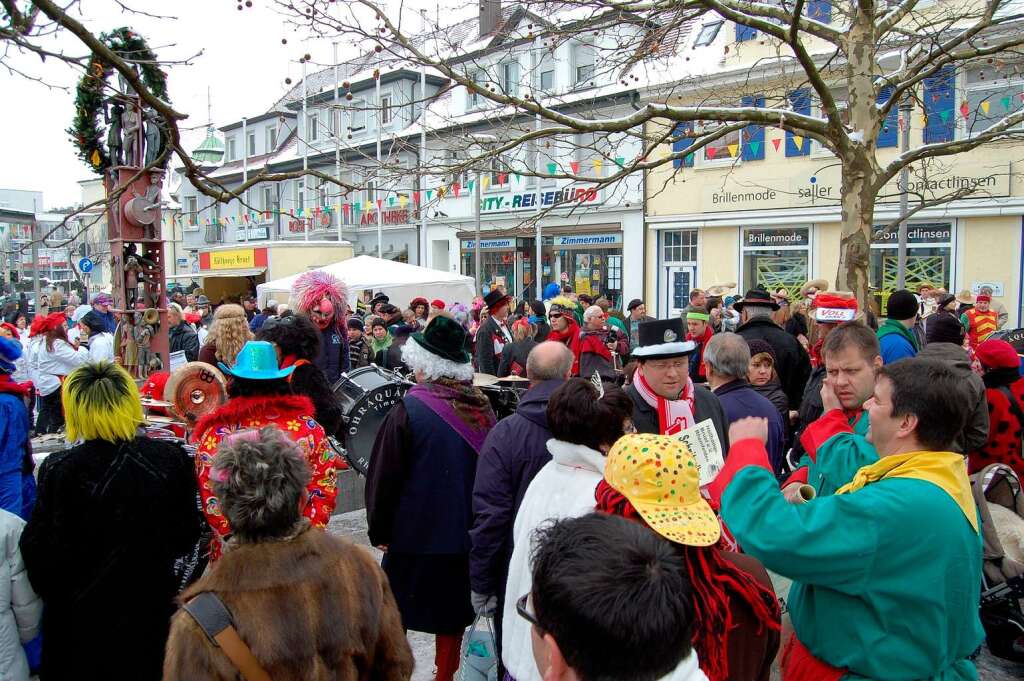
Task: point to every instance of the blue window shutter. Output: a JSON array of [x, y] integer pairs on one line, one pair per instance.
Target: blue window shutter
[[820, 11], [801, 102], [938, 106], [888, 136], [745, 33], [681, 141], [752, 137]]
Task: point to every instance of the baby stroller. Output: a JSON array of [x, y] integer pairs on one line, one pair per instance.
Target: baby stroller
[[1002, 597]]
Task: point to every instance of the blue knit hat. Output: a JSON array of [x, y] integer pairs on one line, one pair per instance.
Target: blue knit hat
[[10, 350]]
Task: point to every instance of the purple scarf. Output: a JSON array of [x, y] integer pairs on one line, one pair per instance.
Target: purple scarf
[[461, 405]]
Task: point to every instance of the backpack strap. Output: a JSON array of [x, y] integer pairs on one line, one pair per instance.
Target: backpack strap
[[213, 617], [1014, 405]]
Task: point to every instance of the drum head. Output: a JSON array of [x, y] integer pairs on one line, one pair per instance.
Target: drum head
[[195, 390], [366, 396]]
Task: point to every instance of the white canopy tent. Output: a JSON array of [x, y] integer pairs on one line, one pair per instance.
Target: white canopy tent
[[399, 281]]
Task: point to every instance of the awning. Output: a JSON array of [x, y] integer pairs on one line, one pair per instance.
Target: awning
[[208, 274]]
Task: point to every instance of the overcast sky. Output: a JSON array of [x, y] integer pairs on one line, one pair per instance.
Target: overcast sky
[[243, 63]]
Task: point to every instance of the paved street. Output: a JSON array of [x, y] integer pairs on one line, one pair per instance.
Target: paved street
[[353, 526]]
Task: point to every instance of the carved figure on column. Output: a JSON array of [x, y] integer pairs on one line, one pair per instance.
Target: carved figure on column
[[154, 135], [131, 124], [113, 119]]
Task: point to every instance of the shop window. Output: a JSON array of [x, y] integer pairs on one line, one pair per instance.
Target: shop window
[[615, 272], [708, 33], [679, 246], [929, 258], [775, 258], [992, 92]]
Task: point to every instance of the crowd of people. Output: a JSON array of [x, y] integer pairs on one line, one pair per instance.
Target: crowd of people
[[582, 524]]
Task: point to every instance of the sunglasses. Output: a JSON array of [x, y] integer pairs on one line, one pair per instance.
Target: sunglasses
[[555, 315], [526, 614]]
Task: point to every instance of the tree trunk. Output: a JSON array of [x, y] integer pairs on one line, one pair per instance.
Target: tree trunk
[[858, 207]]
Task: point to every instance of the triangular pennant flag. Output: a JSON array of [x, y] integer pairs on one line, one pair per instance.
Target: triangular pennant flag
[[552, 168], [1006, 103], [402, 200], [441, 191], [416, 197], [944, 115], [456, 186], [755, 148], [733, 150], [485, 181], [517, 177], [391, 200], [380, 203], [429, 194], [344, 209], [712, 152], [575, 165], [620, 161], [598, 163], [688, 159], [985, 106], [798, 141], [776, 142], [502, 178], [965, 110]]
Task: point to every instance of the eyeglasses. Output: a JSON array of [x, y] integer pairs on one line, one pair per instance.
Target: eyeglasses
[[678, 365], [526, 614]]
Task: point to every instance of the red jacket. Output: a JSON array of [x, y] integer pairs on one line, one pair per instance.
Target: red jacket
[[293, 414], [1004, 432]]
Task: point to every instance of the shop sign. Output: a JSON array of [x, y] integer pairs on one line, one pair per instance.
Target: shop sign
[[776, 238], [182, 262], [298, 225], [492, 244], [996, 286], [388, 217], [233, 259], [252, 233], [499, 204], [613, 239], [940, 233]]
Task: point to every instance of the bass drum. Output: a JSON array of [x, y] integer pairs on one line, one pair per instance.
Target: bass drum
[[365, 395], [504, 399]]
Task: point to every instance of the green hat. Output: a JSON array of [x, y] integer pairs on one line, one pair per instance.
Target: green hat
[[445, 338]]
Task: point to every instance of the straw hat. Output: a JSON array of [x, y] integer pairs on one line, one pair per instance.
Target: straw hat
[[719, 290], [817, 285], [965, 297]]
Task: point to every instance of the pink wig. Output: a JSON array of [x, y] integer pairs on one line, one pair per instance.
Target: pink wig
[[314, 286]]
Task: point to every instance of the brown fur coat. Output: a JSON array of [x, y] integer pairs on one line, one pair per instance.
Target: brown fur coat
[[311, 608]]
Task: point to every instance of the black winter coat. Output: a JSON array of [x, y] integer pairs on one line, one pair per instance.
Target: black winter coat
[[309, 380], [810, 410], [184, 338], [705, 406], [101, 548], [513, 454], [791, 360], [487, 362], [333, 359], [516, 353]]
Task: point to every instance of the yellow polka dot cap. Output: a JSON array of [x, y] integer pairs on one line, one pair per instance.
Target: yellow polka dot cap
[[659, 477]]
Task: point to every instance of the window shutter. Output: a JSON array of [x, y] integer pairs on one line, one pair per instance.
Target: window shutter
[[820, 11], [938, 106], [681, 141], [752, 137], [745, 33], [888, 136], [795, 144]]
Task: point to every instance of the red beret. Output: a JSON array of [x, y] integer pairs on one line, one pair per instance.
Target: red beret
[[997, 354], [438, 303]]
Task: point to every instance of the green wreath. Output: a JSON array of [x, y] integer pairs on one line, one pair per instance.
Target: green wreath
[[88, 133]]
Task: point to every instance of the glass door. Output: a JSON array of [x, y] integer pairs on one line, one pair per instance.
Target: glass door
[[678, 282]]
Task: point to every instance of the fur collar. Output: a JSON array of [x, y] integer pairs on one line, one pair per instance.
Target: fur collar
[[576, 456], [241, 408]]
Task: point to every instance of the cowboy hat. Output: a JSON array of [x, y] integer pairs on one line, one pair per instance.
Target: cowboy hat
[[720, 289], [756, 296]]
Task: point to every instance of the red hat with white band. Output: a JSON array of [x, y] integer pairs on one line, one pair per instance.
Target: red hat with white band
[[834, 308]]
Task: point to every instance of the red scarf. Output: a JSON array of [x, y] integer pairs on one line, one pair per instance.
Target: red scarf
[[674, 416], [594, 341], [571, 339], [702, 343], [7, 385]]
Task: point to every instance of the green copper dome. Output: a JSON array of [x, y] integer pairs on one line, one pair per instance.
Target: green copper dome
[[211, 150]]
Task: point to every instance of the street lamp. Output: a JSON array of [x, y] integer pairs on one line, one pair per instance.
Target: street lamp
[[483, 139], [906, 107]]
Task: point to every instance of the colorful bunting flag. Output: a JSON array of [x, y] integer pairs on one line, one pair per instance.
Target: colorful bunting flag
[[965, 110], [517, 177], [502, 178], [776, 143], [456, 186], [552, 168], [402, 200], [985, 106], [575, 165], [429, 194], [798, 141], [380, 203], [1006, 103], [755, 148], [733, 150], [416, 197], [598, 163], [620, 161], [485, 181], [712, 152]]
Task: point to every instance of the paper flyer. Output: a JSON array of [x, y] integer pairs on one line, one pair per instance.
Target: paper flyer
[[702, 439]]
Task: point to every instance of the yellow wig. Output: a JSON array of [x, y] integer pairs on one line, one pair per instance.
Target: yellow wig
[[101, 402]]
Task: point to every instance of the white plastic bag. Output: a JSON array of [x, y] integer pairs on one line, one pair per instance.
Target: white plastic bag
[[479, 661]]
